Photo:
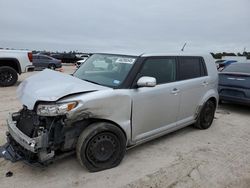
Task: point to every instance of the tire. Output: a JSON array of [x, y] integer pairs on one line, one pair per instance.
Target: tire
[[8, 76], [206, 115], [52, 66], [101, 146]]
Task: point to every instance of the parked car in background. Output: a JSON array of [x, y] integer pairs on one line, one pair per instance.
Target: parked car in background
[[44, 61], [111, 103], [12, 63], [80, 62], [234, 83], [66, 57]]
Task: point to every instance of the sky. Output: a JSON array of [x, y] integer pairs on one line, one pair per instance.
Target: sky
[[140, 26]]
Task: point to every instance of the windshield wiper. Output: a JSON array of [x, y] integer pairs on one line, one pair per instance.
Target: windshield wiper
[[91, 81]]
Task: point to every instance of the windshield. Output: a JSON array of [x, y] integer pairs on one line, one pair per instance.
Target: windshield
[[106, 69]]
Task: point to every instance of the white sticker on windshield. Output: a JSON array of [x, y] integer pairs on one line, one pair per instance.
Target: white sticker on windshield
[[116, 81], [125, 60]]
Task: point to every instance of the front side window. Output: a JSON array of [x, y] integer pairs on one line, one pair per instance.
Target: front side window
[[106, 69], [191, 67], [163, 69]]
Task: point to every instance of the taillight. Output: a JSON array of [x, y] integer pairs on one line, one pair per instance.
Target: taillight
[[30, 56]]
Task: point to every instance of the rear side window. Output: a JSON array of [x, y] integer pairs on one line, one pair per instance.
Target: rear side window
[[191, 67], [163, 69]]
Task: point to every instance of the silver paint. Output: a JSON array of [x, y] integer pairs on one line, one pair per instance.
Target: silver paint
[[143, 113]]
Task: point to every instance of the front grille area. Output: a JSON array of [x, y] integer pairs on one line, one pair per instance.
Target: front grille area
[[26, 122]]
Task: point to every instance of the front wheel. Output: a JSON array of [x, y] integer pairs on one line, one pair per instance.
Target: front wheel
[[206, 115], [101, 146], [8, 76]]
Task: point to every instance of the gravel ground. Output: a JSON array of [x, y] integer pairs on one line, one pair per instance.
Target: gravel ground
[[217, 157]]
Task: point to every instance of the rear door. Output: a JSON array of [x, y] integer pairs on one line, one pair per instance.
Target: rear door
[[193, 83]]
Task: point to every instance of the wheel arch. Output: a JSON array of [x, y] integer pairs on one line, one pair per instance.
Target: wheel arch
[[96, 120], [11, 62], [214, 100], [210, 95]]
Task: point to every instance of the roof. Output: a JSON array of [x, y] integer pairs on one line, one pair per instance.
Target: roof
[[160, 54], [175, 54]]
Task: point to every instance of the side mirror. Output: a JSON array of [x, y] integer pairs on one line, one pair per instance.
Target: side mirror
[[146, 81]]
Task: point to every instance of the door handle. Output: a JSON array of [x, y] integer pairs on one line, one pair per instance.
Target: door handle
[[205, 83], [175, 91]]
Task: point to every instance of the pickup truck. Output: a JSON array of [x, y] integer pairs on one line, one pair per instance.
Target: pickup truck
[[12, 63]]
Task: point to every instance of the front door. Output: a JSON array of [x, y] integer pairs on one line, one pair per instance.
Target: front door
[[155, 109]]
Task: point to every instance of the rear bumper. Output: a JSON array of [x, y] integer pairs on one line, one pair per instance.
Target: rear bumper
[[29, 68]]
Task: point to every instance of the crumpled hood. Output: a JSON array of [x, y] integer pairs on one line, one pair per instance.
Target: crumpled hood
[[50, 85]]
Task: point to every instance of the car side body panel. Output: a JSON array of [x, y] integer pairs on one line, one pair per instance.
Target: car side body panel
[[109, 105]]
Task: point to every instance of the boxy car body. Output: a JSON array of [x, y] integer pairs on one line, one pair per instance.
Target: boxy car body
[[112, 102]]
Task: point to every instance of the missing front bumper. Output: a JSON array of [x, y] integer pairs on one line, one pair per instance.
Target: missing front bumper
[[31, 144], [34, 151], [19, 146]]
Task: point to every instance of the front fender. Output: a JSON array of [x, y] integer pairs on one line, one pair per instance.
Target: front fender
[[111, 105]]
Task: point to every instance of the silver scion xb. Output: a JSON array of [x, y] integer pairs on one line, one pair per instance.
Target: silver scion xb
[[111, 103]]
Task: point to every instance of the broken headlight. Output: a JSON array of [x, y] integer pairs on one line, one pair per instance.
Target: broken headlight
[[55, 109]]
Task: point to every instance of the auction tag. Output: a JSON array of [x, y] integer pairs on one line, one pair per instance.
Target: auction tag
[[125, 60]]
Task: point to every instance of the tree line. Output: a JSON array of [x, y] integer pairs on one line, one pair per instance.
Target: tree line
[[219, 55]]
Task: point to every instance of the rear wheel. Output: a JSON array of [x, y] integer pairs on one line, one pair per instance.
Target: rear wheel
[[8, 76], [206, 115], [101, 146], [52, 66]]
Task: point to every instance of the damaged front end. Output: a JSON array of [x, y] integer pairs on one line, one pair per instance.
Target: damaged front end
[[38, 139]]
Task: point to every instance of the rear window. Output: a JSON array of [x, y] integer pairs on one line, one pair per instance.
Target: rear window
[[238, 67], [191, 67]]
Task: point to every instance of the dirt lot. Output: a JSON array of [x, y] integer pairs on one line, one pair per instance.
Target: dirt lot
[[217, 157]]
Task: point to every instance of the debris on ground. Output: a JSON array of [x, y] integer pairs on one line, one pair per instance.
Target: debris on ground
[[9, 174]]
